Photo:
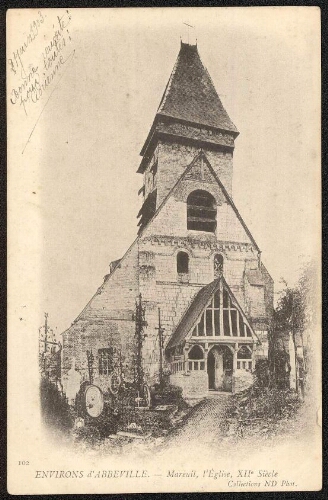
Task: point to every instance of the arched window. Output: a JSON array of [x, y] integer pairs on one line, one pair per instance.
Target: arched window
[[182, 263], [196, 353], [196, 359], [218, 265], [201, 211]]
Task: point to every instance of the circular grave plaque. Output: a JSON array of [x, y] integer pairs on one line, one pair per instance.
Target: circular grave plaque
[[94, 401]]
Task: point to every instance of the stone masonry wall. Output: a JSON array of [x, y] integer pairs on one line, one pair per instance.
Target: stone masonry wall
[[160, 285], [107, 321], [172, 218], [91, 335], [115, 298], [150, 179], [193, 384], [194, 132], [173, 158]]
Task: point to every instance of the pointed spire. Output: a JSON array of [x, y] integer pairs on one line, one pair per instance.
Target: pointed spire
[[190, 94], [190, 109]]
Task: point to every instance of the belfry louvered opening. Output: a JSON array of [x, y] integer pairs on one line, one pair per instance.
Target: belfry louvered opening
[[147, 210], [201, 211]]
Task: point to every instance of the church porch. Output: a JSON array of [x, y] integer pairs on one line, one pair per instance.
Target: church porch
[[213, 347], [222, 365]]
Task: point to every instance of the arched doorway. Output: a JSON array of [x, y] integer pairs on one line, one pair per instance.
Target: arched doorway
[[219, 368]]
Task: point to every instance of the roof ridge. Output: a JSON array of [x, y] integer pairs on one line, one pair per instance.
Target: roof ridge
[[211, 80], [225, 192], [208, 291], [168, 85]]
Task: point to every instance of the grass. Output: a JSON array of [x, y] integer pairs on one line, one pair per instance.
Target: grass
[[261, 411]]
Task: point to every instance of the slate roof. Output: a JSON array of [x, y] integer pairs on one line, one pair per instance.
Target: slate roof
[[190, 94]]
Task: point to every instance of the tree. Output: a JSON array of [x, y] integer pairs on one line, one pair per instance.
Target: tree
[[295, 314], [289, 320], [309, 286]]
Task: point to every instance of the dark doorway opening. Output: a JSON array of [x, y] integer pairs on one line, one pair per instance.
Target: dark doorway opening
[[211, 370]]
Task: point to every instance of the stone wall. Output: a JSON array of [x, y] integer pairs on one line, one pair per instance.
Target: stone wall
[[172, 218], [193, 384], [150, 179], [199, 133], [173, 158], [261, 349], [91, 335], [115, 298], [269, 290], [106, 321], [167, 235], [161, 288]]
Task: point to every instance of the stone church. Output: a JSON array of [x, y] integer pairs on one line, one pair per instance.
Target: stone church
[[194, 258]]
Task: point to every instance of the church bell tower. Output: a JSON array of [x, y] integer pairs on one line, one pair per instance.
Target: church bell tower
[[189, 119]]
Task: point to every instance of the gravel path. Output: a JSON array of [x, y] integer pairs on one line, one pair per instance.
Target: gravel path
[[201, 429]]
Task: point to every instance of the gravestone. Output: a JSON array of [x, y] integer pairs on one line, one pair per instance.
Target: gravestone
[[73, 383]]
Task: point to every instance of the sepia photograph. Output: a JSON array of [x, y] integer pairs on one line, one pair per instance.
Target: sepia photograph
[[164, 257]]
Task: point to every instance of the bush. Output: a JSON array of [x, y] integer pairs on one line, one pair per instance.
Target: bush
[[88, 434], [168, 394], [55, 410], [266, 404]]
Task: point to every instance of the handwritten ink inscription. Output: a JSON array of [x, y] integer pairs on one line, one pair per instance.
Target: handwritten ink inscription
[[33, 79]]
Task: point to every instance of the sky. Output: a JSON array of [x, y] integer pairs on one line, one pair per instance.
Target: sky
[[73, 186]]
